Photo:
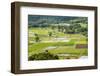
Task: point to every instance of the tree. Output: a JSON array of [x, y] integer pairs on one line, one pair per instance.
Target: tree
[[43, 56], [50, 34], [37, 39]]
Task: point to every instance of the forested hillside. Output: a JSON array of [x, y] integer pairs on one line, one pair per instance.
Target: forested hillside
[[40, 20]]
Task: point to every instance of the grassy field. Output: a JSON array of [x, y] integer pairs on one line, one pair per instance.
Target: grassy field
[[58, 44]]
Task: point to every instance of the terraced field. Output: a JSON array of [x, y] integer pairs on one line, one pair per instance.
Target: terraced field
[[57, 43]]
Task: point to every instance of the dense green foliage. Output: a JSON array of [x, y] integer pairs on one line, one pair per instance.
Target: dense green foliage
[[45, 20], [43, 56]]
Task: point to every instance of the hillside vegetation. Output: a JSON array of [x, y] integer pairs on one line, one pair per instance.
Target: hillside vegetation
[[56, 37]]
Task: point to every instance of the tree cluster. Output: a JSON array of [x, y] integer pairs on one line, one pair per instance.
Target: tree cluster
[[43, 56]]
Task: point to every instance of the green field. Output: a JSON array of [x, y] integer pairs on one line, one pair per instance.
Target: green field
[[57, 43]]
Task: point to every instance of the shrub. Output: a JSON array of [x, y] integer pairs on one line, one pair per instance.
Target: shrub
[[43, 56]]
